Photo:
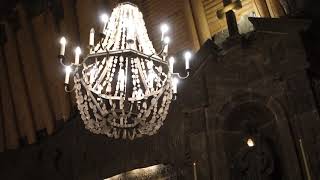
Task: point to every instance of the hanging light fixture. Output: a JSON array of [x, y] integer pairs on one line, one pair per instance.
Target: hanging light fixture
[[123, 88]]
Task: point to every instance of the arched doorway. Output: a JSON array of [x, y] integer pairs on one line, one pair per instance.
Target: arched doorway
[[255, 140], [251, 143]]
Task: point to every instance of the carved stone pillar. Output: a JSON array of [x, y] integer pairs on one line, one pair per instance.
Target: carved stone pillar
[[275, 8], [9, 121], [200, 19], [262, 8], [191, 25]]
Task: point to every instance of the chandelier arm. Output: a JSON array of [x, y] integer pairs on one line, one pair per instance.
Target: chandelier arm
[[181, 77], [62, 58], [161, 51], [174, 97], [66, 88]]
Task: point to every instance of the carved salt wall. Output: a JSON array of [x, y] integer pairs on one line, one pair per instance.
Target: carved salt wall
[[265, 68]]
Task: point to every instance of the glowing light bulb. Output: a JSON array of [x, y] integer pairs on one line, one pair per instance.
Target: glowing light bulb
[[68, 70], [164, 29], [250, 142], [104, 18], [63, 40], [77, 55], [175, 82], [187, 57], [91, 38], [63, 43], [78, 50]]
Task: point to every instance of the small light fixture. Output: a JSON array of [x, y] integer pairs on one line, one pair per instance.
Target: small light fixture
[[164, 29], [63, 43], [104, 18], [187, 57], [77, 53], [78, 50], [175, 82], [250, 142], [91, 38], [68, 70]]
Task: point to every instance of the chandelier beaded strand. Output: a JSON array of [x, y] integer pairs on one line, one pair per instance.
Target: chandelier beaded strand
[[123, 88]]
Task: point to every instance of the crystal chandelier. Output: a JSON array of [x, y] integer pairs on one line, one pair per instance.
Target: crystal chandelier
[[123, 87]]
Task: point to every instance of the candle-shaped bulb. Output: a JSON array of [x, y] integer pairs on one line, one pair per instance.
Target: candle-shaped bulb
[[91, 38], [171, 63], [68, 70], [77, 52], [250, 142], [175, 82], [166, 45], [63, 40], [187, 57], [63, 43], [164, 29], [104, 18]]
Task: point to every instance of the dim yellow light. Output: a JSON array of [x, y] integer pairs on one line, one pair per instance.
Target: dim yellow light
[[250, 142]]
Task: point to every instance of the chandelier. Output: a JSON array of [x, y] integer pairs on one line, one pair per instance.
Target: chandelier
[[123, 87]]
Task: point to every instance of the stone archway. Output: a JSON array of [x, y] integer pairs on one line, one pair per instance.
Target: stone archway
[[252, 121], [262, 119]]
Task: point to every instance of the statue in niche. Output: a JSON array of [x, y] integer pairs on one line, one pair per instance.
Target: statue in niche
[[255, 163]]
